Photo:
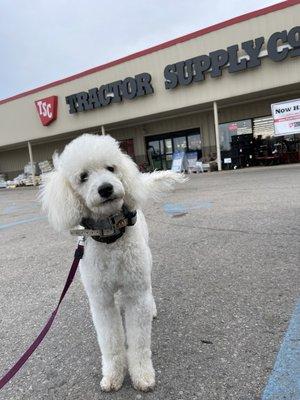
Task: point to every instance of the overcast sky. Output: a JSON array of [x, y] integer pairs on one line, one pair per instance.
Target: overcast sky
[[45, 40]]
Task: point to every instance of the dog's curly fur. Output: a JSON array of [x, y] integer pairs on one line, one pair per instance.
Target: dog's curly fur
[[123, 267]]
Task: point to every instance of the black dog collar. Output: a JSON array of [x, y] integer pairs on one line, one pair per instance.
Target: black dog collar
[[109, 229]]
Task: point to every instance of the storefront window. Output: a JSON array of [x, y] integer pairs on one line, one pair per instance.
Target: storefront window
[[263, 127], [154, 147], [155, 152], [194, 142], [242, 146], [180, 143], [230, 129], [168, 146], [271, 149]]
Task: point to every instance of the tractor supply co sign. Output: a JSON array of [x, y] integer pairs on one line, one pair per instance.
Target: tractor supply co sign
[[47, 109], [286, 117], [278, 47]]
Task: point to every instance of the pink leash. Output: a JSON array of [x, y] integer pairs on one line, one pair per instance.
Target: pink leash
[[11, 373]]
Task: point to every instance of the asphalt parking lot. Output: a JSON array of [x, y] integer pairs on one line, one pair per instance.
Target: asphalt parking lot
[[225, 277]]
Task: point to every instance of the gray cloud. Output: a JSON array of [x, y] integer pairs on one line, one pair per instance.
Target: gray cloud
[[42, 41]]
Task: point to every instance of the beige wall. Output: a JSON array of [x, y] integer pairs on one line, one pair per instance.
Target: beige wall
[[13, 161], [19, 120]]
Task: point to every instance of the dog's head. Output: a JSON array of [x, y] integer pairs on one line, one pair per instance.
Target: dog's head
[[92, 178]]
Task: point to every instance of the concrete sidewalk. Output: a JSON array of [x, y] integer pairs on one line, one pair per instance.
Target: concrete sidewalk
[[225, 278]]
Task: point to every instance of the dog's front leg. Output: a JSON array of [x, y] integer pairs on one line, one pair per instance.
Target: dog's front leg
[[108, 323], [138, 318]]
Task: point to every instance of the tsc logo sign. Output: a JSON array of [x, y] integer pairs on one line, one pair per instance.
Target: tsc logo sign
[[47, 109]]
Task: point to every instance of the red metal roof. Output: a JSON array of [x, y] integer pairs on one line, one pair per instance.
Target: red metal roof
[[181, 39]]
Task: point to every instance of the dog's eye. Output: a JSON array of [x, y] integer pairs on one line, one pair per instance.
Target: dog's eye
[[110, 169], [84, 177]]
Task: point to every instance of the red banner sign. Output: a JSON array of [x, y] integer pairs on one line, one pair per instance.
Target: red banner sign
[[47, 109]]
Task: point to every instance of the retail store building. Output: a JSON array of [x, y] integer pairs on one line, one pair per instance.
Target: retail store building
[[210, 91]]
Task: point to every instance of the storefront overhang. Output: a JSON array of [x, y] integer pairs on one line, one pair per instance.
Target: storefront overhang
[[285, 92]]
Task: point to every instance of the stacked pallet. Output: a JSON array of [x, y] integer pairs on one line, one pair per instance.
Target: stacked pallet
[[46, 166], [2, 181], [28, 169]]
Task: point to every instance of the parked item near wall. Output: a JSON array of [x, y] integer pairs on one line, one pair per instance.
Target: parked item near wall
[[23, 180], [46, 166], [28, 170], [2, 181], [26, 178]]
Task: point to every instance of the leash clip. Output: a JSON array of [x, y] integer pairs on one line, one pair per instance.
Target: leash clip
[[81, 240]]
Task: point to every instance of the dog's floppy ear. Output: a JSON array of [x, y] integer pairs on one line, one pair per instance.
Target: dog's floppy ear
[[158, 182], [141, 187], [59, 201]]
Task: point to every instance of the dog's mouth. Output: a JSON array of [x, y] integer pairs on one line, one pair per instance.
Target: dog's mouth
[[110, 200], [106, 207]]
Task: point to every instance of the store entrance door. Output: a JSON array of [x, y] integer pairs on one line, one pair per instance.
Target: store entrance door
[[161, 153], [160, 148]]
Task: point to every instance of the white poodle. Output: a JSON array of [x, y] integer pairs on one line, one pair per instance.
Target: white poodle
[[97, 186]]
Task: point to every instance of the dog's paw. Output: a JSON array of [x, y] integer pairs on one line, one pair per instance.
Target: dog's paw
[[144, 380], [111, 383]]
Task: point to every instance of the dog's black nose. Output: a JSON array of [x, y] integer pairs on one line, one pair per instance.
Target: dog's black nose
[[105, 190]]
